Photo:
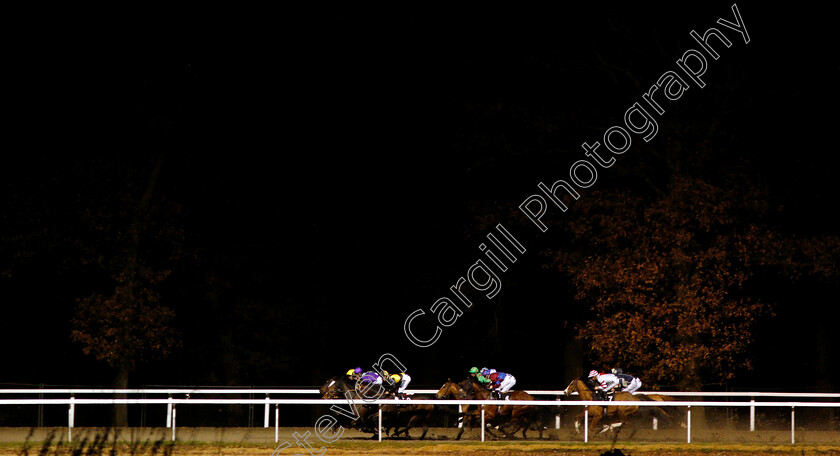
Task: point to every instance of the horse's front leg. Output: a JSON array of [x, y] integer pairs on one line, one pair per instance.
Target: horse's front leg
[[466, 421], [577, 423], [594, 424]]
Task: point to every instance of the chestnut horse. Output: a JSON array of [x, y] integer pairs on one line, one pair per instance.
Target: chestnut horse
[[596, 412], [512, 418], [472, 413], [506, 418]]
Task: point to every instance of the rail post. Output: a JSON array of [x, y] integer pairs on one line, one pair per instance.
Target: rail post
[[380, 422], [267, 406], [792, 425], [40, 408], [173, 422], [688, 424], [276, 423], [482, 423], [752, 414], [169, 412], [557, 416], [586, 424], [71, 412]]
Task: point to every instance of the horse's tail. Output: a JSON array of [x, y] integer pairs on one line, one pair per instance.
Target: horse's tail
[[662, 415]]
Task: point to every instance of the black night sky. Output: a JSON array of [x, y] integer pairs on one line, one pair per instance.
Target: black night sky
[[333, 171]]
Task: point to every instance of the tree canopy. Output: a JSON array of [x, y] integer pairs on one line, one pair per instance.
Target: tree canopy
[[668, 276]]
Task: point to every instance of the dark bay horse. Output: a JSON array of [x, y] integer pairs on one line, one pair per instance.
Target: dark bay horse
[[340, 387], [406, 416], [401, 418]]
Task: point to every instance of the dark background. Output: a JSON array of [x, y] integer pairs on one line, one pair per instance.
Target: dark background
[[337, 170]]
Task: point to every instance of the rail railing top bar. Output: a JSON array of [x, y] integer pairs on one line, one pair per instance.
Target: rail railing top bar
[[270, 391], [414, 401], [158, 391]]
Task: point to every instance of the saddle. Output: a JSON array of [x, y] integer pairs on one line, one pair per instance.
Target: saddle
[[603, 396]]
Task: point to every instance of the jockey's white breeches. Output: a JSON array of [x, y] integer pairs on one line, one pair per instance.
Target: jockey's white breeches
[[633, 386], [507, 383]]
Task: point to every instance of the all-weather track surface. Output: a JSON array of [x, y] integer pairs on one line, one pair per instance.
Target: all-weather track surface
[[259, 441]]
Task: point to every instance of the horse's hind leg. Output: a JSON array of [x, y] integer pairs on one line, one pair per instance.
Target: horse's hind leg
[[425, 430]]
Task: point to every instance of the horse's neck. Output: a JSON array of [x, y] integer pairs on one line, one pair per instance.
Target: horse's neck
[[479, 392], [584, 392], [457, 390]]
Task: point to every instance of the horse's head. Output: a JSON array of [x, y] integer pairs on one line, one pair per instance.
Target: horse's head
[[574, 386], [331, 389], [451, 389], [579, 386]]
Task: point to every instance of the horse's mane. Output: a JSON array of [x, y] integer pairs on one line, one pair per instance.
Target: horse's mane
[[341, 382], [587, 381]]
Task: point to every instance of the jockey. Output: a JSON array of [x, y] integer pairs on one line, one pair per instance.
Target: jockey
[[629, 383], [372, 377], [501, 383], [400, 383], [484, 376], [353, 374], [605, 384], [474, 372]]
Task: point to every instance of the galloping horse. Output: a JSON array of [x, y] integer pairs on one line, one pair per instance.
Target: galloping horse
[[453, 390], [596, 411], [340, 388], [393, 416], [513, 417], [520, 416], [659, 411], [408, 415]]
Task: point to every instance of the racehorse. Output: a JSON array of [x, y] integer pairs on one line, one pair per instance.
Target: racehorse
[[520, 416], [393, 416], [512, 417], [597, 411], [664, 398], [472, 413], [408, 415], [340, 388]]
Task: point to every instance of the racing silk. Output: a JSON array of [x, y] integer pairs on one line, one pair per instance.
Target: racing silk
[[405, 379], [484, 375], [608, 381], [625, 379], [371, 377], [496, 378]]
